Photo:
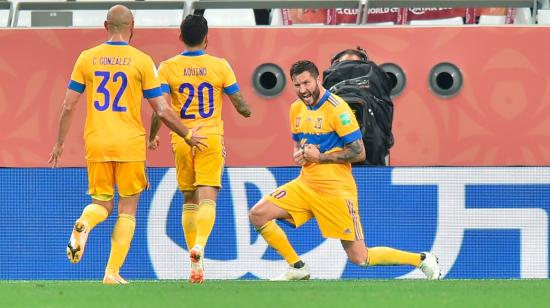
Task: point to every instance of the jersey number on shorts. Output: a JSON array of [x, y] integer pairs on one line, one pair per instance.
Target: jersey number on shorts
[[200, 93], [101, 89], [278, 194]]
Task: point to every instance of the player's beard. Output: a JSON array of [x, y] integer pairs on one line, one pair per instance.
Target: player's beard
[[311, 99]]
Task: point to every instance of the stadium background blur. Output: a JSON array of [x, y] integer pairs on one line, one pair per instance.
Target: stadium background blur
[[469, 176]]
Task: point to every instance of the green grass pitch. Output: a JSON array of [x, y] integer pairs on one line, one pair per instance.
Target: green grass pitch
[[314, 293]]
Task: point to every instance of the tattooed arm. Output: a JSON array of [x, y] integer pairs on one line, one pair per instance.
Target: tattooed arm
[[351, 153]]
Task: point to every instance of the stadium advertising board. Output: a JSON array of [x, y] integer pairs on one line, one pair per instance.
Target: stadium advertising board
[[482, 222]]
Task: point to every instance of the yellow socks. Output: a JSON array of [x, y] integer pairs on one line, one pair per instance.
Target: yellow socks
[[94, 214], [189, 223], [390, 256], [276, 238], [120, 241], [205, 221]]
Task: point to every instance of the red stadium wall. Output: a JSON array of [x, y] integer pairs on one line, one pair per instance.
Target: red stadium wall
[[500, 117]]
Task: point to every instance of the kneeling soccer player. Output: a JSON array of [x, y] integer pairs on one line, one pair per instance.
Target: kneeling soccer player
[[327, 140]]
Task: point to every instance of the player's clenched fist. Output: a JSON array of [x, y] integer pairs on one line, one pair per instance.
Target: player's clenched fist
[[311, 153], [299, 158]]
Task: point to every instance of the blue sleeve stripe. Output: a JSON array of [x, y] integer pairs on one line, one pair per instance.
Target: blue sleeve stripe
[[349, 138], [152, 93], [165, 87], [297, 137], [76, 86], [232, 89]]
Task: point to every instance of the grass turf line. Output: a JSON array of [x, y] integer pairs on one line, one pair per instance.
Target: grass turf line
[[314, 293]]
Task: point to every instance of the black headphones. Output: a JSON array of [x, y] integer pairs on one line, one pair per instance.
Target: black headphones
[[359, 52]]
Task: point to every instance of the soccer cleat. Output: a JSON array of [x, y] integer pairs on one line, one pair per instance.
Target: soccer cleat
[[430, 266], [113, 278], [294, 274], [79, 236], [197, 270]]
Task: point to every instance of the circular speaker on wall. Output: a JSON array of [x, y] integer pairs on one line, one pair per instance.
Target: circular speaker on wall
[[268, 80], [445, 79], [397, 77]]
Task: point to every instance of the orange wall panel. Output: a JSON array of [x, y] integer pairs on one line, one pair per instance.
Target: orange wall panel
[[500, 117]]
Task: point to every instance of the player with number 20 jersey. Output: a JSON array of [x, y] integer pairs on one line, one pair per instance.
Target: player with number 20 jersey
[[196, 82]]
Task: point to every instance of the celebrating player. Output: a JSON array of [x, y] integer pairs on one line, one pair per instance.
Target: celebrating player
[[195, 81], [327, 140], [116, 75]]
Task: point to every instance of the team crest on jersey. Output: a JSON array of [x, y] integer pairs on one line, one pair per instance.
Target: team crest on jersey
[[318, 123], [298, 120]]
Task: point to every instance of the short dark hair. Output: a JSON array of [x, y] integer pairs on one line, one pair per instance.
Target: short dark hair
[[359, 52], [193, 30], [304, 66]]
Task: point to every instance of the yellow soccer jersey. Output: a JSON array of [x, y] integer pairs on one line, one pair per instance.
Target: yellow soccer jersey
[[116, 75], [330, 124], [196, 82]]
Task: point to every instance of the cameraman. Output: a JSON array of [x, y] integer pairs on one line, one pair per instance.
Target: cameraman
[[367, 89]]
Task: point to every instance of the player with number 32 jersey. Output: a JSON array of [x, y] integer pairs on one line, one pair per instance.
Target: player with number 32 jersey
[[115, 76], [119, 75]]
